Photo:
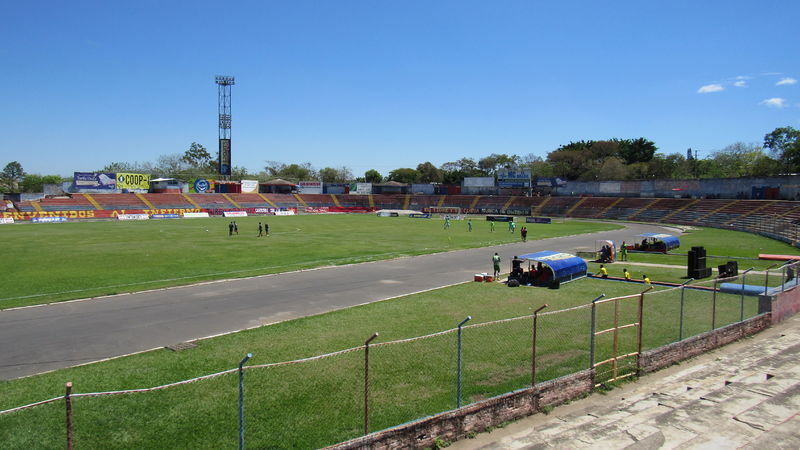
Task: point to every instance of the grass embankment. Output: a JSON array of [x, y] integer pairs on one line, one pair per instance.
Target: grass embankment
[[56, 262]]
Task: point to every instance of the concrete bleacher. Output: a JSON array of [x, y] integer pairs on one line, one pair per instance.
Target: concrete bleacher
[[248, 200], [168, 201], [77, 202], [591, 207], [354, 201], [208, 201], [317, 200], [119, 201], [626, 208], [282, 200], [420, 202]]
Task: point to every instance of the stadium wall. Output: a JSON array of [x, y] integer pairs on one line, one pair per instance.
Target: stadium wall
[[745, 188]]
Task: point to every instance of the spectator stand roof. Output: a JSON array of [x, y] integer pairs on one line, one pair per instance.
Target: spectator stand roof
[[565, 267]]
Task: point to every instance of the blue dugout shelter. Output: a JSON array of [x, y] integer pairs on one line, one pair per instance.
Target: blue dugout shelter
[[658, 242], [565, 267]]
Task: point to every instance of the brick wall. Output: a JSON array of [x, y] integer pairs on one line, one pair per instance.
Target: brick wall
[[785, 304], [665, 356], [477, 417]]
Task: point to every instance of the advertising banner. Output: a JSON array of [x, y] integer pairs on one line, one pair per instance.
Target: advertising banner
[[363, 189], [224, 156], [6, 220], [201, 186], [92, 180], [288, 212], [249, 186], [538, 220], [507, 178], [419, 216], [48, 219], [133, 217], [165, 216], [310, 187], [195, 215], [235, 213], [133, 181]]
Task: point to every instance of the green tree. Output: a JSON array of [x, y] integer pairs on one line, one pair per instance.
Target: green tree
[[35, 182], [11, 176], [199, 158], [290, 172], [637, 150], [428, 173], [404, 175], [492, 163], [785, 144], [373, 176]]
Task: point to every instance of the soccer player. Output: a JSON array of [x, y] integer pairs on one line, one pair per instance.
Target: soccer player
[[626, 274], [260, 229], [496, 262], [646, 280], [603, 271], [469, 225]]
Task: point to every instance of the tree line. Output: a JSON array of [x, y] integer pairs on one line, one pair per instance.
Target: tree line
[[610, 159]]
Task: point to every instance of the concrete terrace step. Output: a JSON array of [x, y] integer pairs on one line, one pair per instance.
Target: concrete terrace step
[[745, 395]]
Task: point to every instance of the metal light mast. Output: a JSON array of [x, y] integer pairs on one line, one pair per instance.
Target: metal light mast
[[224, 102]]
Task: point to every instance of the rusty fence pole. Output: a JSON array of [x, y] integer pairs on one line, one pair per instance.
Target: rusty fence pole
[[680, 319], [68, 402], [241, 399], [639, 330], [714, 306], [366, 382], [592, 331], [766, 279], [533, 345], [741, 299], [458, 364]]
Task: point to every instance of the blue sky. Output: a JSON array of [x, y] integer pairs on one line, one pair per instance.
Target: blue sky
[[388, 84]]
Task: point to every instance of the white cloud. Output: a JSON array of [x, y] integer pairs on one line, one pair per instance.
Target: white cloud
[[740, 83], [710, 88], [744, 77], [786, 80], [775, 102]]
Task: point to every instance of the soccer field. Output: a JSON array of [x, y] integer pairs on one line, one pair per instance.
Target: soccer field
[[62, 261]]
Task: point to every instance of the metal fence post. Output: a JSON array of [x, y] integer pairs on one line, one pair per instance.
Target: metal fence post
[[783, 278], [241, 399], [594, 328], [366, 382], [458, 370], [533, 345], [68, 402], [766, 279], [680, 327], [741, 300], [639, 330], [714, 307]]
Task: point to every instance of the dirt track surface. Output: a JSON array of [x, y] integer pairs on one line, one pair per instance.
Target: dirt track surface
[[49, 337], [745, 395]]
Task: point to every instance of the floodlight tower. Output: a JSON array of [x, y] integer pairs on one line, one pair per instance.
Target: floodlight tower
[[224, 103]]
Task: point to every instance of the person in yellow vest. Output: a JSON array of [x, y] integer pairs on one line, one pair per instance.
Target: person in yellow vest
[[626, 274], [603, 271], [646, 280]]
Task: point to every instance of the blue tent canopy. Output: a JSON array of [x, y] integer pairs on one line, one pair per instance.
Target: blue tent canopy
[[669, 240], [565, 267]]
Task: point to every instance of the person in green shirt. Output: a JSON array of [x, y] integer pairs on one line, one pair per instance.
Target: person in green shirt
[[496, 262]]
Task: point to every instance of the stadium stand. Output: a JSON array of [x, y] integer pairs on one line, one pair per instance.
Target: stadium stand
[[168, 201], [120, 201]]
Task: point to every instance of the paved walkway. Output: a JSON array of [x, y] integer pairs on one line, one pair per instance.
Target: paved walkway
[[745, 395]]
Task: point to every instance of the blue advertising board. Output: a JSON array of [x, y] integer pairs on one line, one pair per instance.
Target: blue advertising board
[[94, 180], [48, 219]]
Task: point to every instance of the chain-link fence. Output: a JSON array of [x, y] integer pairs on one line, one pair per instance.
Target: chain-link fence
[[330, 398]]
